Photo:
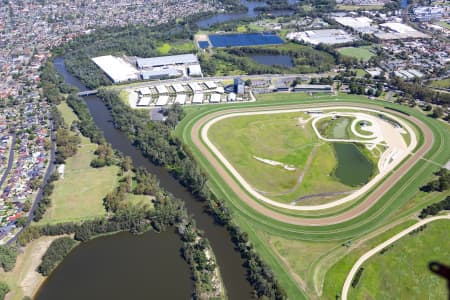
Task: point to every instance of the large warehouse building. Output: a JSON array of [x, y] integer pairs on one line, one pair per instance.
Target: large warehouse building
[[116, 68], [162, 61]]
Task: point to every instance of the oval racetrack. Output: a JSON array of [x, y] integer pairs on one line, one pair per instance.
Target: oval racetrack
[[370, 200]]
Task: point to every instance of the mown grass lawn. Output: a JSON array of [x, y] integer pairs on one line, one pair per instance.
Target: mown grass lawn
[[357, 52], [79, 195], [402, 271], [276, 137]]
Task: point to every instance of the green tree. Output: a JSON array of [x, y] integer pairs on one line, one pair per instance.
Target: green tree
[[8, 257], [4, 289]]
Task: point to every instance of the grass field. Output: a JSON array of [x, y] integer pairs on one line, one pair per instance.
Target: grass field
[[277, 137], [185, 47], [444, 24], [272, 238], [79, 195], [402, 271], [441, 84], [357, 52]]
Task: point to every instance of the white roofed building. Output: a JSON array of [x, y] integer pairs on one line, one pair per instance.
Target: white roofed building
[[195, 87], [144, 101], [180, 99], [214, 98], [162, 100], [178, 88], [195, 70], [161, 89], [160, 61], [197, 98], [116, 68]]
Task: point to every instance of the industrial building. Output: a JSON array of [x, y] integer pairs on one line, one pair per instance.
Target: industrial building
[[360, 24], [162, 61], [313, 88], [160, 74], [324, 36], [195, 70], [428, 13], [396, 30], [117, 69]]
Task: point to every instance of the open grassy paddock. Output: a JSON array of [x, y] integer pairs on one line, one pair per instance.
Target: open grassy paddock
[[402, 271], [362, 52], [313, 261], [79, 194]]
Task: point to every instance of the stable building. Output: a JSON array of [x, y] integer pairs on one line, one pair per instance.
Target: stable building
[[313, 88], [197, 98], [162, 100], [214, 98]]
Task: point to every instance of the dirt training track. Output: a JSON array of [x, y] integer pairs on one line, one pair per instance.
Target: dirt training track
[[347, 215]]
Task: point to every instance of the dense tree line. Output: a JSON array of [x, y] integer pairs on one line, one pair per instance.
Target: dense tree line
[[441, 184], [66, 145], [105, 156], [8, 257], [156, 141], [45, 201], [434, 209], [86, 123], [417, 91], [158, 144], [357, 277], [55, 253], [4, 289], [305, 60]]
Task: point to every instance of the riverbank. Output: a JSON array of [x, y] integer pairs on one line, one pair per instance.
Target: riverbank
[[24, 280]]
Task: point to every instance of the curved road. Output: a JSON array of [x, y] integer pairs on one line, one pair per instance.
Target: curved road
[[380, 247], [347, 215]]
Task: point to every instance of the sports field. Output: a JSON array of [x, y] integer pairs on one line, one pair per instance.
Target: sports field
[[327, 252], [363, 52]]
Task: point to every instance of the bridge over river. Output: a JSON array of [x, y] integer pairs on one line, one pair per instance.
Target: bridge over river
[[88, 93]]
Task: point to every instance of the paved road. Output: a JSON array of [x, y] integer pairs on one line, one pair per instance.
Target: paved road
[[10, 160], [380, 247], [347, 215]]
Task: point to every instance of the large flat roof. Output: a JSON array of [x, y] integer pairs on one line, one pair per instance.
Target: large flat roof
[[324, 36], [116, 68], [166, 60]]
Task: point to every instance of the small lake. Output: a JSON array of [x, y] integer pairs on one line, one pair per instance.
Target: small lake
[[354, 168], [251, 13], [222, 18], [122, 266], [273, 60]]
